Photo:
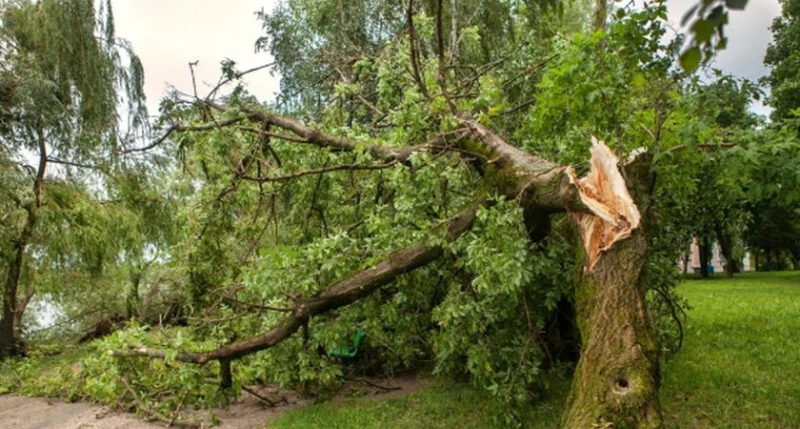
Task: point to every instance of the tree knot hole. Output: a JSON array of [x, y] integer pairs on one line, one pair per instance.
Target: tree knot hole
[[621, 386]]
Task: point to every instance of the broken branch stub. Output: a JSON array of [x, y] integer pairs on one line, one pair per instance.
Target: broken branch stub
[[613, 213]]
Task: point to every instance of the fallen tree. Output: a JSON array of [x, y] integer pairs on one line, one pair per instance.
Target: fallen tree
[[616, 379], [609, 209]]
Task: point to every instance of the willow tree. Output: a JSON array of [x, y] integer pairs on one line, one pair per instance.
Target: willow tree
[[426, 186], [61, 87]]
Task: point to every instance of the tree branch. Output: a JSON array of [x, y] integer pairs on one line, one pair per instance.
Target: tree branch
[[318, 171], [317, 137], [72, 164], [238, 75], [412, 39], [350, 290], [442, 65], [184, 128]]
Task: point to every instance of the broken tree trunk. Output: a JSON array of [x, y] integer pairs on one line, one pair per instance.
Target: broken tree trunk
[[617, 378]]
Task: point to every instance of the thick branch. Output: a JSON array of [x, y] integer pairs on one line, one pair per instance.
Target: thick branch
[[339, 295], [537, 182], [317, 137]]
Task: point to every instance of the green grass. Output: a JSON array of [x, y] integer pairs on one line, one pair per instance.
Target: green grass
[[442, 406], [740, 368]]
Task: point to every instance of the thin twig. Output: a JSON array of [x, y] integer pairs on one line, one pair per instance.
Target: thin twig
[[239, 75], [260, 397], [375, 385], [319, 171], [194, 82], [155, 414]]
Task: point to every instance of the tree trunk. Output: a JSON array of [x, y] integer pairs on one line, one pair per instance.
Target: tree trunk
[[617, 378], [726, 246], [225, 374], [8, 328], [704, 248], [686, 259], [132, 301], [7, 325], [22, 305]]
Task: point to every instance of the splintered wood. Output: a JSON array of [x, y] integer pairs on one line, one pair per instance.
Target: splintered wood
[[604, 192]]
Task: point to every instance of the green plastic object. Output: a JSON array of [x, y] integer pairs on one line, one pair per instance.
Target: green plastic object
[[350, 351]]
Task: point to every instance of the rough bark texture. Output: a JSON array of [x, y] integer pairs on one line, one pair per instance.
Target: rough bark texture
[[7, 336], [617, 378]]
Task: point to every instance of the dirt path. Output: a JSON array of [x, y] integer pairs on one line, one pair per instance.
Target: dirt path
[[246, 413]]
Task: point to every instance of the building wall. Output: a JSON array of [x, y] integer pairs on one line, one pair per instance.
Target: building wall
[[717, 260]]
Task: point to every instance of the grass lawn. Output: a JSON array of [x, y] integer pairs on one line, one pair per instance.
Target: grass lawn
[[740, 368]]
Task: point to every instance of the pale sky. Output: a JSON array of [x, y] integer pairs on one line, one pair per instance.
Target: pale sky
[[168, 34], [748, 36]]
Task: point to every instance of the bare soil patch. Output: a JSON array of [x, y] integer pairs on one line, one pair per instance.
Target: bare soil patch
[[247, 412]]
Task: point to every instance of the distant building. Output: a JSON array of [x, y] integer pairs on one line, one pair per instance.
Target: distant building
[[716, 261]]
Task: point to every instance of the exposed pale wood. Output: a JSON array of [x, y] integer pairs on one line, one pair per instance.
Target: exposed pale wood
[[613, 213]]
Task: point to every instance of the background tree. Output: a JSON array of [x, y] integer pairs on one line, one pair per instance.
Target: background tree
[[784, 60], [62, 84]]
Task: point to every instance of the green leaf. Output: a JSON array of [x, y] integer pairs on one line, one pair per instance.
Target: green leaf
[[690, 59], [703, 29], [736, 4]]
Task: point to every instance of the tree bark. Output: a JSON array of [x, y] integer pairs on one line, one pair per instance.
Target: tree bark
[[8, 327], [617, 378], [726, 246], [7, 330], [22, 305]]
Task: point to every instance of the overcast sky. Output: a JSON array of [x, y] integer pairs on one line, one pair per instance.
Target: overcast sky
[[168, 34]]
